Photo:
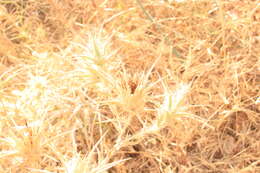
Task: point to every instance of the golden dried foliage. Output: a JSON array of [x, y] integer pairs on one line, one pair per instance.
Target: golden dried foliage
[[129, 86]]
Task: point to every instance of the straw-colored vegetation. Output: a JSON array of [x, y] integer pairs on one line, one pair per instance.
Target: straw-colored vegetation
[[138, 86]]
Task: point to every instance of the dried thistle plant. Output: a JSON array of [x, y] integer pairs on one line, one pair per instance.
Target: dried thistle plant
[[129, 86]]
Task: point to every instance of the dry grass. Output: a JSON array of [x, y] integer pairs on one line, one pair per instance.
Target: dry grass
[[117, 86]]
